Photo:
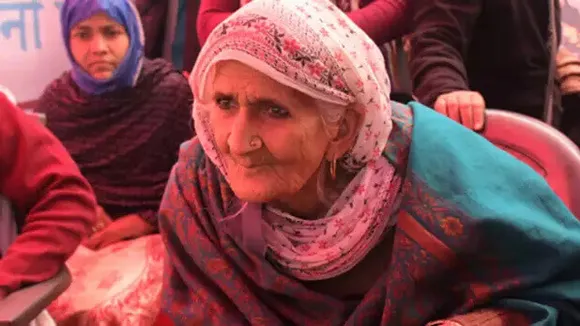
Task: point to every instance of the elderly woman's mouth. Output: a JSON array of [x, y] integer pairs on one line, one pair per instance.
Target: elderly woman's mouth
[[248, 165]]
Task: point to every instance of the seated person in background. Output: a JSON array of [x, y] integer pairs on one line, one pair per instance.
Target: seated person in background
[[122, 118], [53, 204], [309, 198], [469, 55], [382, 20]]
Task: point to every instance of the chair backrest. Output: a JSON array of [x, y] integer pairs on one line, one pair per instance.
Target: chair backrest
[[542, 147], [8, 226]]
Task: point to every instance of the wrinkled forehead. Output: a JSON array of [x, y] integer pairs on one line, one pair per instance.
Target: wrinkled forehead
[[234, 78]]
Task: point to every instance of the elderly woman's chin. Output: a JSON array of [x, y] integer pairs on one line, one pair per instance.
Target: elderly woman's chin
[[262, 186]]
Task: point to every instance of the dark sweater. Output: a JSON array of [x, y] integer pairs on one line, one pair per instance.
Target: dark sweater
[[124, 142], [496, 47]]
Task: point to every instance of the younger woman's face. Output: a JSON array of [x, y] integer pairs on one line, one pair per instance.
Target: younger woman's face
[[99, 44]]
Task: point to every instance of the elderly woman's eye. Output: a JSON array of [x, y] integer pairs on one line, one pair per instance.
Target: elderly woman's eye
[[224, 103], [278, 112]]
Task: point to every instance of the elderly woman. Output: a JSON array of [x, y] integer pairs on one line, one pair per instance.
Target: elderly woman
[[308, 198], [122, 118]]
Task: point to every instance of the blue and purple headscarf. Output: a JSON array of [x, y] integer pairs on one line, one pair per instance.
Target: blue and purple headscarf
[[126, 14]]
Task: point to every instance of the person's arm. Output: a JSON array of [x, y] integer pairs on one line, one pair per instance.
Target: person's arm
[[383, 20], [212, 13], [442, 31], [43, 184]]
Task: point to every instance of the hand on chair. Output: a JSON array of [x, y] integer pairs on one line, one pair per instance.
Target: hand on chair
[[465, 107]]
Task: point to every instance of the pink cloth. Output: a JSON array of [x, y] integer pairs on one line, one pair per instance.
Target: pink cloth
[[118, 285]]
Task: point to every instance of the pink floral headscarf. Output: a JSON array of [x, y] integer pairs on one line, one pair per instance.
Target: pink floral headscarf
[[313, 47]]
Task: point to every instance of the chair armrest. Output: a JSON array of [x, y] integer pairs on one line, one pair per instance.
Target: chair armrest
[[21, 307]]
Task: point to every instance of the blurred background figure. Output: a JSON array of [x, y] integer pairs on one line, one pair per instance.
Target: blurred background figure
[[469, 55], [122, 118]]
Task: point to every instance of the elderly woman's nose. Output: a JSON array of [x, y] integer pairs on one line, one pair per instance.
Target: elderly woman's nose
[[242, 131]]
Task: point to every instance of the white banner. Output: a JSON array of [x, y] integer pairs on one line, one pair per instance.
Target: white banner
[[32, 53]]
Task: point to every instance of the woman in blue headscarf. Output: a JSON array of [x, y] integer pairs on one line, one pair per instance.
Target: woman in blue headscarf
[[122, 117]]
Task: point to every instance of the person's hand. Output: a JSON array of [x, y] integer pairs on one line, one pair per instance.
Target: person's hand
[[465, 107], [103, 220], [109, 235], [125, 228]]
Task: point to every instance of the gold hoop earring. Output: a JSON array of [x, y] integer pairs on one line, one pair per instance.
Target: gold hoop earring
[[333, 169]]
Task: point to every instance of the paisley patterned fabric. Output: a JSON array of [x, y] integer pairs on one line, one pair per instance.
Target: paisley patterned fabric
[[476, 229], [469, 224]]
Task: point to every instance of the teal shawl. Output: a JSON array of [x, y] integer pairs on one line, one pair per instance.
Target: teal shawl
[[511, 236]]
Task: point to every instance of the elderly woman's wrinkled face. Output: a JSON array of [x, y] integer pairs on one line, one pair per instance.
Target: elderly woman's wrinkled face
[[99, 44], [271, 137]]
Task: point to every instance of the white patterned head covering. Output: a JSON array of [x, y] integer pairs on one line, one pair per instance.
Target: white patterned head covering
[[313, 47]]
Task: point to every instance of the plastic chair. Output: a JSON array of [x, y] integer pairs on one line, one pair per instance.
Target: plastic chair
[[23, 306], [542, 147], [20, 308]]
